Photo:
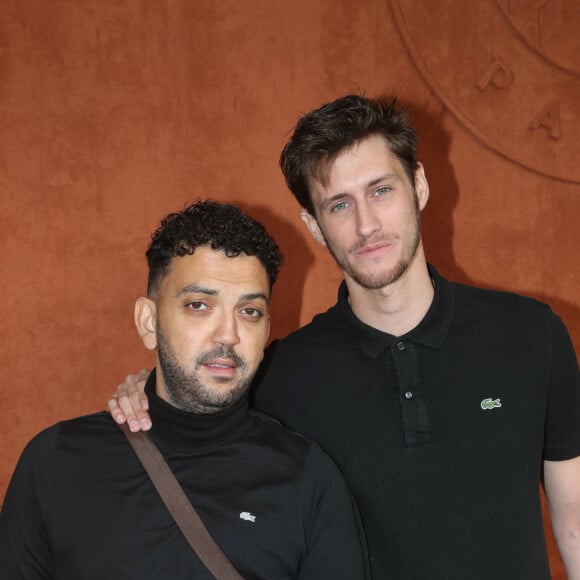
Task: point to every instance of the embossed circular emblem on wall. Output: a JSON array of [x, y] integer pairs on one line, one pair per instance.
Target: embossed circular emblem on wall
[[509, 70]]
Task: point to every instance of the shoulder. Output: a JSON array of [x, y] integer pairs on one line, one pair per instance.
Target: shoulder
[[288, 360], [291, 446], [59, 445], [74, 432], [277, 435], [498, 320], [496, 307], [325, 333], [329, 324]]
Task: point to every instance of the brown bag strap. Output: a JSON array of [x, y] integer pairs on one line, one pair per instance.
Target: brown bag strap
[[180, 507]]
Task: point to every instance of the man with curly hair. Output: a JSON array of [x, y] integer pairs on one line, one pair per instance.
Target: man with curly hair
[[80, 504]]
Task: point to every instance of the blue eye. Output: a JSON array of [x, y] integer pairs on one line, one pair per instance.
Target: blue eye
[[382, 191], [339, 206]]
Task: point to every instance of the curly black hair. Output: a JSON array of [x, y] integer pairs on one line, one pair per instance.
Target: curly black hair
[[321, 135], [216, 225]]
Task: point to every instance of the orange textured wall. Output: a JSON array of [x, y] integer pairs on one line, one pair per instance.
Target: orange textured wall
[[114, 113]]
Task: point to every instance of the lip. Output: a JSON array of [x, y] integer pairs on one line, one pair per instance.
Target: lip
[[221, 366], [373, 250]]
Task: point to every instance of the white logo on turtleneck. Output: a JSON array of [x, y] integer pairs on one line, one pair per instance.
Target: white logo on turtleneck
[[247, 516]]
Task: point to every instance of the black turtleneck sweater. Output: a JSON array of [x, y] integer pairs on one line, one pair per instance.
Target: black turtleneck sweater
[[80, 506]]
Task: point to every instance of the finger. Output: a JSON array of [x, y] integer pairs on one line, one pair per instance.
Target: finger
[[144, 420], [115, 410], [140, 404], [129, 409], [139, 401], [130, 403]]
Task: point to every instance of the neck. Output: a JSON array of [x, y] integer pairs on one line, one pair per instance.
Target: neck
[[398, 307], [174, 429]]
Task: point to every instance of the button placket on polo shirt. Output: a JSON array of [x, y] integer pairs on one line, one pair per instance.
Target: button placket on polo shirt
[[411, 402]]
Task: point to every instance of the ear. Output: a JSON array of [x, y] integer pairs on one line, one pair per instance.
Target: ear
[[312, 226], [146, 321], [421, 187]]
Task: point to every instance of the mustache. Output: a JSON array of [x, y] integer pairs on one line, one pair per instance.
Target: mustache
[[221, 352]]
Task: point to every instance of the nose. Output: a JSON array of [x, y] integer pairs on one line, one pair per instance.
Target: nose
[[226, 330], [367, 222]]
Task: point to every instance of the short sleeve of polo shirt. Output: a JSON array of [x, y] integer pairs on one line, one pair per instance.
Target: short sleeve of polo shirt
[[562, 435]]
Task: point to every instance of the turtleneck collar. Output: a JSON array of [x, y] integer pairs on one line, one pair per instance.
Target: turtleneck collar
[[175, 430]]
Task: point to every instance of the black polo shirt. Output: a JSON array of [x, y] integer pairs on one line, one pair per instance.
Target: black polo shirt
[[440, 432]]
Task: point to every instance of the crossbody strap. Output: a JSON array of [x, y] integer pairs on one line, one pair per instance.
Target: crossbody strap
[[180, 507]]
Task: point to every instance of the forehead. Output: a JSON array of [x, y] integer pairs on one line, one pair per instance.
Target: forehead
[[212, 268], [364, 161]]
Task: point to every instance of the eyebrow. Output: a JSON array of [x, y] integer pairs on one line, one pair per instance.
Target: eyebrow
[[256, 296], [194, 289], [384, 177]]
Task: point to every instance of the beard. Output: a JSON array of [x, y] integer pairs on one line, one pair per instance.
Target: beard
[[381, 277], [186, 390]]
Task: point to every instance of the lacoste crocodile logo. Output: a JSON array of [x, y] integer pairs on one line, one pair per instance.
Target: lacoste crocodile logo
[[490, 403]]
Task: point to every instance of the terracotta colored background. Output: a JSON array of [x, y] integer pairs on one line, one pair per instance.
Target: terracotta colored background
[[113, 113]]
